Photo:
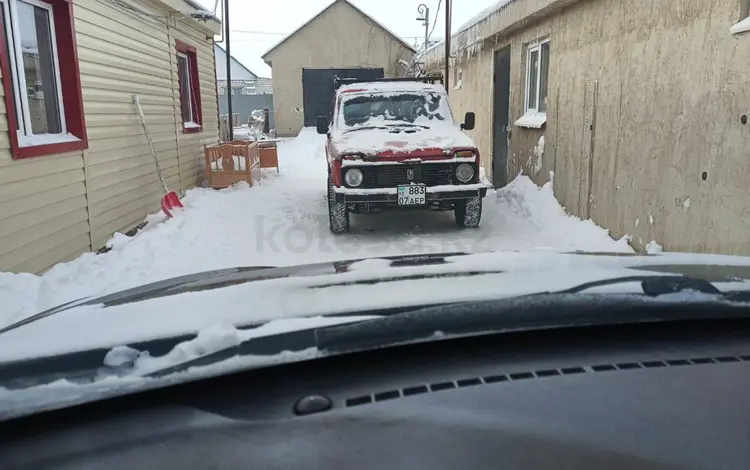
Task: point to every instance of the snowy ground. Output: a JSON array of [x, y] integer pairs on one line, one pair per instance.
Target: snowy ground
[[284, 221]]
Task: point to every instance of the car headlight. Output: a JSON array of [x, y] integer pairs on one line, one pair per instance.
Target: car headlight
[[354, 177], [464, 172]]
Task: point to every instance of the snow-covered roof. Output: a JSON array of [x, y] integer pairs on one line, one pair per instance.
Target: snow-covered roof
[[368, 17], [484, 14], [493, 20], [239, 71]]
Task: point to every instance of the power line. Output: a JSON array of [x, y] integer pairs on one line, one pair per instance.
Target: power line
[[437, 13], [258, 32]]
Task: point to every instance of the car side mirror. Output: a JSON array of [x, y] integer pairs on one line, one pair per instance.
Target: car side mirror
[[468, 121], [322, 125]]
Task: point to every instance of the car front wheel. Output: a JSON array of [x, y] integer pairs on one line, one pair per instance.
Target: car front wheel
[[338, 213], [468, 212]]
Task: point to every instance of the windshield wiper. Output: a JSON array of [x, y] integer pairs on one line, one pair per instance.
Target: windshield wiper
[[544, 310], [208, 280], [652, 285], [362, 128], [695, 299], [407, 124]]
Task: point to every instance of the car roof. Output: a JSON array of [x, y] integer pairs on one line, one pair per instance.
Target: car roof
[[390, 87]]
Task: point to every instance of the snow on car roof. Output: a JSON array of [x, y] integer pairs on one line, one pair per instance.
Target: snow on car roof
[[385, 87]]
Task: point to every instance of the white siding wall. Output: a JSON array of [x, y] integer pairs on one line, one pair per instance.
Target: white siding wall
[[53, 208]]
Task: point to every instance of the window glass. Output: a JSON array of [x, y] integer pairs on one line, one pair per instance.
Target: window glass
[[39, 69], [533, 75], [543, 78], [396, 108], [183, 71]]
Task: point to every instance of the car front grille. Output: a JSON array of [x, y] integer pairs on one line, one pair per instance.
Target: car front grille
[[389, 176]]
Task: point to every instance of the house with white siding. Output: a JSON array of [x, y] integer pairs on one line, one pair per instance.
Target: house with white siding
[[75, 166]]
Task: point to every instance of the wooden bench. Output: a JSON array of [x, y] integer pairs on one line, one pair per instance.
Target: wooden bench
[[230, 163]]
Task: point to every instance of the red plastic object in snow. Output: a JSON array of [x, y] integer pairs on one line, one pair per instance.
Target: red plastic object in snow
[[169, 202]]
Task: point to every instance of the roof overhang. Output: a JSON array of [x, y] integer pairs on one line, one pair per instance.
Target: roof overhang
[[506, 18], [266, 54], [185, 9]]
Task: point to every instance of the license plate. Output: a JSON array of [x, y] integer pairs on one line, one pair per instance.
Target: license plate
[[412, 195]]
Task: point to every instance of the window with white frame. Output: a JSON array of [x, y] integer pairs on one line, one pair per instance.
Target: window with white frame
[[458, 78], [190, 90], [31, 47], [537, 75], [43, 102], [186, 90]]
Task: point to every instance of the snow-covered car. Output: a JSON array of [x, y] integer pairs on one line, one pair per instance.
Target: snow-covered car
[[393, 143]]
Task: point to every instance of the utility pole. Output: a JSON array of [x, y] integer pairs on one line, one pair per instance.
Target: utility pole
[[447, 44], [230, 121], [424, 11]]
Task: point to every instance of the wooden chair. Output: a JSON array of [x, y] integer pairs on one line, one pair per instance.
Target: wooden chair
[[269, 155], [230, 163]]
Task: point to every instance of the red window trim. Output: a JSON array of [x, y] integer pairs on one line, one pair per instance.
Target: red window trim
[[70, 78], [195, 86]]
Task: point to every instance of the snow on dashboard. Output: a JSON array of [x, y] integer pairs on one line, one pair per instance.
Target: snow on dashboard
[[395, 116]]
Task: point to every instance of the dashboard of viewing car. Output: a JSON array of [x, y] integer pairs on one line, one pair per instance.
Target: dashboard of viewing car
[[659, 396]]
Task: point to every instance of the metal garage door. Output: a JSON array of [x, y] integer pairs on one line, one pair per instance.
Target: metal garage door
[[317, 88]]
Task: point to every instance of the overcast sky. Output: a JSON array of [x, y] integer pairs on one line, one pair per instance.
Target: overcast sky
[[269, 21]]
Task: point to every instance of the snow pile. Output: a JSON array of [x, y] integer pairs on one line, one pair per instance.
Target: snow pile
[[535, 210], [285, 222], [654, 248], [534, 162]]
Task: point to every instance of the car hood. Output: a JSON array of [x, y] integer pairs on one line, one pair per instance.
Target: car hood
[[437, 139], [176, 320], [254, 295]]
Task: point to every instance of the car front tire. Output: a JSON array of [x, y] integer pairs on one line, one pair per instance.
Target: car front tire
[[338, 213], [468, 212]]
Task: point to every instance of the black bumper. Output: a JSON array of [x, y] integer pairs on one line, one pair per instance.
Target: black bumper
[[393, 198]]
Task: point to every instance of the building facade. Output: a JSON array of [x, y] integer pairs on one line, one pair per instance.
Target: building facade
[[75, 166], [312, 55], [639, 109]]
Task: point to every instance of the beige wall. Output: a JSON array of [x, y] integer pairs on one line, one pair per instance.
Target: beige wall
[[52, 208], [339, 38], [644, 97]]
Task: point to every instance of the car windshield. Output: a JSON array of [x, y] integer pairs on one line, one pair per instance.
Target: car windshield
[[241, 173], [373, 109]]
